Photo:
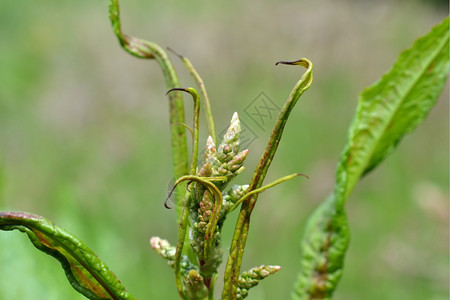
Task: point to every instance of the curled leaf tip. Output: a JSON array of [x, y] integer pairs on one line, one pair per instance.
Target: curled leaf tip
[[188, 90], [166, 202], [302, 62], [176, 89], [176, 53], [304, 175]]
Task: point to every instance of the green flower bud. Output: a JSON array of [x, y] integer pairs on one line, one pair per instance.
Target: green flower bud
[[230, 142], [163, 248], [251, 278], [210, 155], [236, 192], [195, 287]]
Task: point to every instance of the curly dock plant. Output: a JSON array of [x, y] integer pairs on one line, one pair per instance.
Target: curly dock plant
[[388, 110]]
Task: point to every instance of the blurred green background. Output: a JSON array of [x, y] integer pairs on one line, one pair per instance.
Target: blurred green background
[[85, 140]]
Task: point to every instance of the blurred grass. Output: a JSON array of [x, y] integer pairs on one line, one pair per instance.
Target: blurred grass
[[84, 138]]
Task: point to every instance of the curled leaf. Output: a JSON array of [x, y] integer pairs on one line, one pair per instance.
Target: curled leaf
[[85, 271], [209, 117]]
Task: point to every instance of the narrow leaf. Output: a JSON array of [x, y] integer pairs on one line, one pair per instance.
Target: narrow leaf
[[148, 50], [199, 81], [239, 240], [85, 271]]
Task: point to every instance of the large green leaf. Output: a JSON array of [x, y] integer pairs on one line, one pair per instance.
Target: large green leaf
[[395, 105], [84, 270], [391, 108]]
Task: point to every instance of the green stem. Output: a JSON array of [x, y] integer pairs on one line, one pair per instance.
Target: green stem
[[262, 189], [182, 229], [232, 269]]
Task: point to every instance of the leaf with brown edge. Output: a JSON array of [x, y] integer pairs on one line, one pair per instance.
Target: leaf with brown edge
[[85, 271]]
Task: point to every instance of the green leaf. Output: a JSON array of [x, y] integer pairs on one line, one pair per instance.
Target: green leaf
[[391, 108], [396, 104], [323, 249], [85, 271]]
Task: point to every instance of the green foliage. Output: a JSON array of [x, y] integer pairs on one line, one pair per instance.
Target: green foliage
[[395, 105], [388, 110], [391, 108]]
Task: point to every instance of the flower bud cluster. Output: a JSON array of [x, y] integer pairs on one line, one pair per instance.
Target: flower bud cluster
[[251, 278], [163, 248], [222, 161], [232, 196], [226, 160], [167, 251]]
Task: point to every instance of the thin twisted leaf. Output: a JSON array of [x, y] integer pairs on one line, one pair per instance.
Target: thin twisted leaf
[[391, 108], [144, 49], [199, 81], [195, 131], [85, 271], [233, 266]]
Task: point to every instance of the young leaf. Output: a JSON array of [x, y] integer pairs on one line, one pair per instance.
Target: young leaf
[[85, 271], [396, 104], [391, 108]]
